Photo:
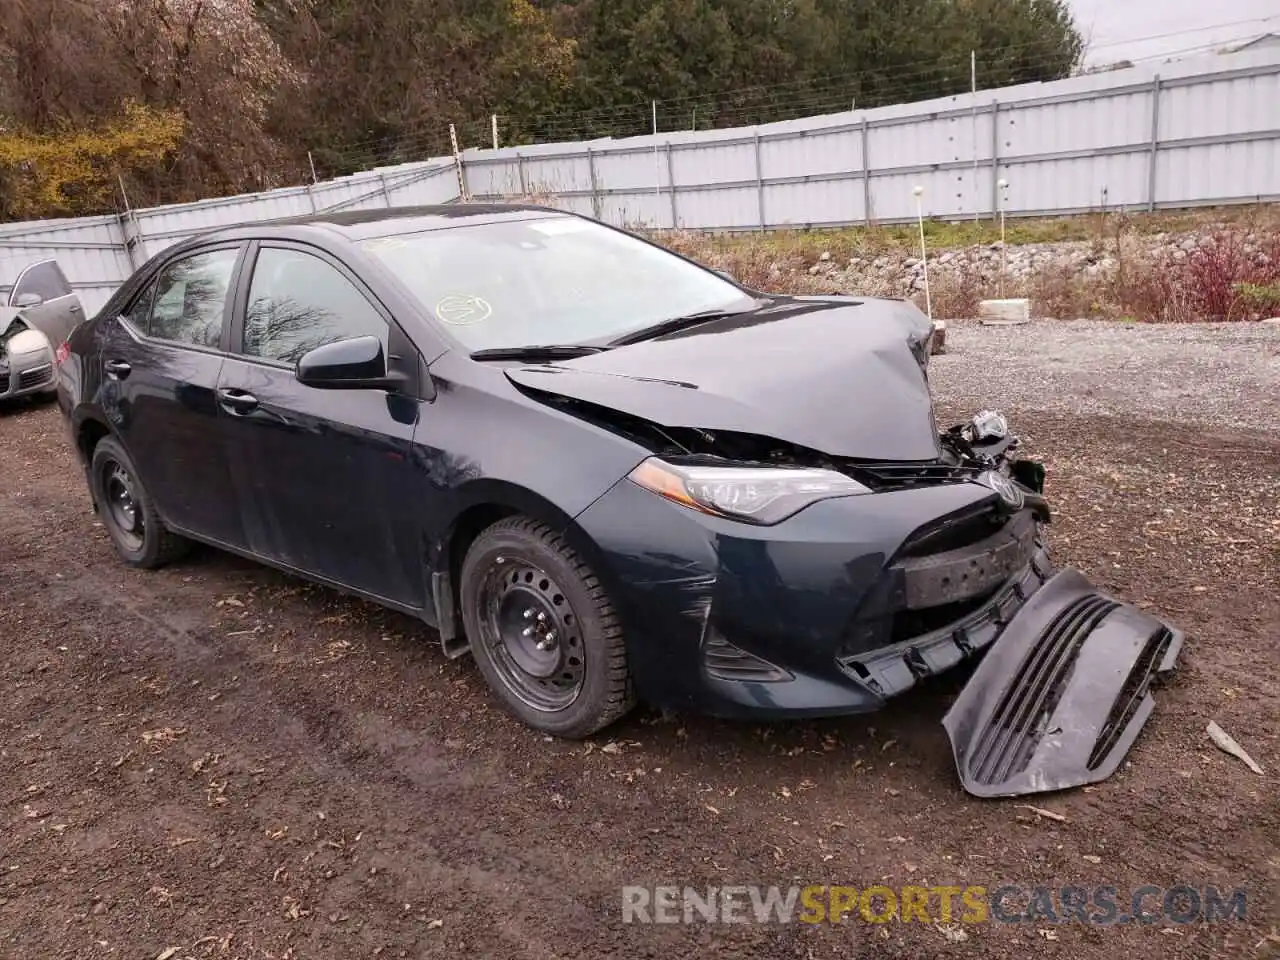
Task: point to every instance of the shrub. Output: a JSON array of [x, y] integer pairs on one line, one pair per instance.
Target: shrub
[[74, 172]]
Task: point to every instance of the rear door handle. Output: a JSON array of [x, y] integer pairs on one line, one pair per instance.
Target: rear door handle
[[237, 401], [117, 369]]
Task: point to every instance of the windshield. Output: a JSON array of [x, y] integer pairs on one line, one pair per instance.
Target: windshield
[[548, 280]]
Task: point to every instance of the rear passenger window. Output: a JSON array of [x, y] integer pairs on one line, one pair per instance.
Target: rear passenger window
[[190, 297], [298, 302]]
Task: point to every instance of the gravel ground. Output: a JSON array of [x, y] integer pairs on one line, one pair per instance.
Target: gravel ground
[[1215, 374], [216, 761]]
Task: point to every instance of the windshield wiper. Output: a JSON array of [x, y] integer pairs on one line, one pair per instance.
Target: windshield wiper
[[673, 325], [546, 351]]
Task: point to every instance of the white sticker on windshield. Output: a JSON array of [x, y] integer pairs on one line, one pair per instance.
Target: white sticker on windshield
[[560, 225], [463, 310]]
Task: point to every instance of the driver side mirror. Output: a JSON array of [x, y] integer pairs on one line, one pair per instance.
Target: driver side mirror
[[28, 300], [358, 363]]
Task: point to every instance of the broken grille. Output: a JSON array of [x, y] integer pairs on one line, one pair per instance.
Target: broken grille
[[1131, 696], [891, 475], [1010, 737]]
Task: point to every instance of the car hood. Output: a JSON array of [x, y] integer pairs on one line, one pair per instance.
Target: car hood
[[840, 375]]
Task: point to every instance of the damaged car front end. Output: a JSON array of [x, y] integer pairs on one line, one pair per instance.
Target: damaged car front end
[[830, 572], [859, 596], [26, 358]]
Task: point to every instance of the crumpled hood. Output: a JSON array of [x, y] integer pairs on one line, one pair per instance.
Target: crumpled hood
[[836, 374], [49, 328]]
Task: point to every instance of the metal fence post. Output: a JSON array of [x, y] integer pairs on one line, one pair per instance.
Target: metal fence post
[[595, 186], [457, 162], [1155, 143], [866, 172], [671, 182], [135, 247], [995, 157], [759, 180], [524, 185]]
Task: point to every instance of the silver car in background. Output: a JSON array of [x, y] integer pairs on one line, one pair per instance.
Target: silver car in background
[[40, 311]]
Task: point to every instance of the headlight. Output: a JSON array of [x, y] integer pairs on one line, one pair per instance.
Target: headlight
[[763, 495]]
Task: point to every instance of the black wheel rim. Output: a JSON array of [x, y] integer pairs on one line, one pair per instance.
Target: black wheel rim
[[122, 510], [532, 634]]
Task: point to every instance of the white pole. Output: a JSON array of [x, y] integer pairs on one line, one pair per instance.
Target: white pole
[[493, 117], [973, 90], [924, 253], [1000, 199], [655, 118]]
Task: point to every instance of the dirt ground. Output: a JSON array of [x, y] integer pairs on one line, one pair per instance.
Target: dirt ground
[[218, 761]]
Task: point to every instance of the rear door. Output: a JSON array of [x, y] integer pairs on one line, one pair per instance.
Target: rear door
[[160, 362], [47, 301], [325, 480]]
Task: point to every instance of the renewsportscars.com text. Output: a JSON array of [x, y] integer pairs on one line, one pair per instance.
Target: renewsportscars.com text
[[1098, 906]]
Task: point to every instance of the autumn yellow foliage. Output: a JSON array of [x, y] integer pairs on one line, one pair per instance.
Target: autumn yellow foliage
[[72, 172]]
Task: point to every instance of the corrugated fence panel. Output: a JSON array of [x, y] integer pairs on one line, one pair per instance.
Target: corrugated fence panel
[[1202, 175], [1220, 107], [733, 207]]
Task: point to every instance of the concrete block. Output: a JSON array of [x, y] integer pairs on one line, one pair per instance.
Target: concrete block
[[1016, 310]]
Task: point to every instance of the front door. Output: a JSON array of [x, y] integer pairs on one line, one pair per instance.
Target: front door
[[325, 480], [161, 361]]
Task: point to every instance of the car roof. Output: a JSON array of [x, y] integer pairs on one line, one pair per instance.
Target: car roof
[[356, 225]]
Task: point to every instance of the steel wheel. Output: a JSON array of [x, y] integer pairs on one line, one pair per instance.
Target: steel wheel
[[137, 530], [543, 630], [532, 633], [122, 507]]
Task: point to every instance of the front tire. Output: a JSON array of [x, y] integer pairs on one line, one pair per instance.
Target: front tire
[[543, 630], [137, 532]]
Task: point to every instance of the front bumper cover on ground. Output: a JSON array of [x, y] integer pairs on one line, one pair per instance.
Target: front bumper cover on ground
[[1062, 695]]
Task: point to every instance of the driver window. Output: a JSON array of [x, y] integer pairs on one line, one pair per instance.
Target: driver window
[[298, 302]]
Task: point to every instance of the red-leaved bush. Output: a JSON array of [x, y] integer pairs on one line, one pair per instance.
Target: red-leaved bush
[[1228, 278]]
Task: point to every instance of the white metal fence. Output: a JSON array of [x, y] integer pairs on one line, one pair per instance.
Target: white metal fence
[[1194, 132]]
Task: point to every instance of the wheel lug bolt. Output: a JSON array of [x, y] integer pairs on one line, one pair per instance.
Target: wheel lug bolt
[[528, 613], [542, 644], [542, 617], [527, 632]]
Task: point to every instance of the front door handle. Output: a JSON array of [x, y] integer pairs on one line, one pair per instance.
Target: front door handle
[[117, 369], [237, 401]]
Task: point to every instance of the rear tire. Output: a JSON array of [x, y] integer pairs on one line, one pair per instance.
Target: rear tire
[[137, 532], [543, 630]]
